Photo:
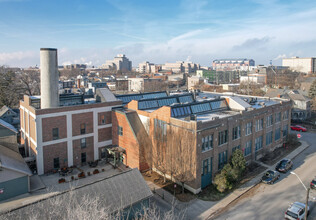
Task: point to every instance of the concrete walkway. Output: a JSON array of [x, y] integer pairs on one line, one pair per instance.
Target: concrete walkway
[[199, 209], [209, 214]]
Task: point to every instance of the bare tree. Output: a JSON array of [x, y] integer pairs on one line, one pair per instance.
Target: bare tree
[[72, 206], [9, 91], [183, 152], [29, 81], [159, 152]]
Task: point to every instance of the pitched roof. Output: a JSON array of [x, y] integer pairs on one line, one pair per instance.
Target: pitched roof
[[298, 97], [8, 126], [115, 193], [12, 160], [4, 109]]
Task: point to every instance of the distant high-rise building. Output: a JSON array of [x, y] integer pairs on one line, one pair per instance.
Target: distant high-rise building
[[231, 64], [146, 67], [181, 67], [119, 63], [305, 65]]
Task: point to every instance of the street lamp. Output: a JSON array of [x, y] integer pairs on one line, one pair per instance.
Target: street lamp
[[307, 194]]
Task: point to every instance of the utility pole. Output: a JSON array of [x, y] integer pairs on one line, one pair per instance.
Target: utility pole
[[306, 202]]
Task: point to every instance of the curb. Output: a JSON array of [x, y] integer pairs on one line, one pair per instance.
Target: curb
[[213, 214]]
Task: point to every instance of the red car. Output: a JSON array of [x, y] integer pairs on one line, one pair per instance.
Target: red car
[[298, 128]]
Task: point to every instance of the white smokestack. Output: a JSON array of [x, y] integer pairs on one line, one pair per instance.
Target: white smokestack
[[49, 78]]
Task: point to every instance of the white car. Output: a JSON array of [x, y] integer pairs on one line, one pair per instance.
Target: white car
[[296, 211]]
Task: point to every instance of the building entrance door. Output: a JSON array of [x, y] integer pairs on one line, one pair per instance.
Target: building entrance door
[[206, 178]]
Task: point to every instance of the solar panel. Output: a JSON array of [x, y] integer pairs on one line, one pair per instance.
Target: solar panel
[[200, 108], [147, 104], [218, 104], [169, 101], [154, 95], [127, 99], [184, 99], [180, 111]]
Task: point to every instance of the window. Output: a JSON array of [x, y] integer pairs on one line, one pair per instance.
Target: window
[[277, 134], [236, 132], [222, 159], [55, 133], [285, 130], [83, 157], [56, 163], [259, 124], [277, 117], [83, 128], [120, 130], [286, 115], [247, 150], [248, 128], [258, 143], [222, 137], [269, 120], [103, 119], [235, 148], [207, 166], [207, 143], [83, 143], [269, 138]]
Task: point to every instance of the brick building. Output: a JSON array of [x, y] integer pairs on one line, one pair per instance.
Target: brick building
[[198, 134], [66, 135]]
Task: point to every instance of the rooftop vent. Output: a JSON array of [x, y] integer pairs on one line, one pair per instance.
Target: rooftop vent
[[215, 118]]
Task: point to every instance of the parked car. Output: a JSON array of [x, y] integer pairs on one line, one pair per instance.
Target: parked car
[[313, 184], [284, 165], [296, 211], [270, 177], [298, 128]]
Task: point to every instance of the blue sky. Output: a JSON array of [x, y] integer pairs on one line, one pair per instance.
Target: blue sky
[[157, 31]]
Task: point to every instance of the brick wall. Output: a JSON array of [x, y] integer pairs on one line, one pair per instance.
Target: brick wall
[[104, 134], [77, 150], [54, 122], [107, 117], [32, 128], [53, 151], [78, 119], [127, 141]]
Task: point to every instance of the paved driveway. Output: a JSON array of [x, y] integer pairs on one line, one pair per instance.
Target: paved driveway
[[271, 201]]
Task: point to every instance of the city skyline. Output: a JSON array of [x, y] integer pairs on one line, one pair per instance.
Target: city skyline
[[164, 31]]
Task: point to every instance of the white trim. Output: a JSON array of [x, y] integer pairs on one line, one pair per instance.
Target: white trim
[[98, 110], [104, 126], [58, 141], [103, 144], [39, 148], [39, 143], [69, 141], [96, 135]]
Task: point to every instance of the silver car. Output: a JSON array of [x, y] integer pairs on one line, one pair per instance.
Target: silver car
[[296, 211]]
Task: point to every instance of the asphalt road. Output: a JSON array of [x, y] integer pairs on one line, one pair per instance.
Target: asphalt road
[[271, 201]]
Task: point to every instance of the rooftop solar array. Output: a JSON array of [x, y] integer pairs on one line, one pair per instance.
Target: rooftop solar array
[[165, 101], [198, 108], [127, 98]]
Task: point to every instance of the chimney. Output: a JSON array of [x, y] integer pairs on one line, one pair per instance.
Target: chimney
[[49, 78], [78, 83]]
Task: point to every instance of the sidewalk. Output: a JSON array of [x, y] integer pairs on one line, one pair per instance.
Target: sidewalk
[[209, 214], [199, 209]]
